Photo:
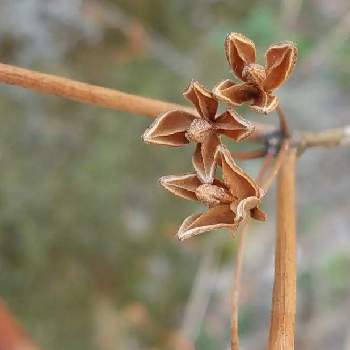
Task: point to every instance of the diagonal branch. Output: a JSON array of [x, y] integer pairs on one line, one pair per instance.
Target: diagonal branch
[[266, 181], [82, 92], [283, 121], [92, 94], [139, 105], [246, 155]]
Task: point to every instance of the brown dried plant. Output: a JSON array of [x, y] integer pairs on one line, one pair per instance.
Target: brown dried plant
[[178, 128], [235, 198], [228, 201], [258, 81]]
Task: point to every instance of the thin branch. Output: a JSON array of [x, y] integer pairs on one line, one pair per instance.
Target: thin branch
[[265, 167], [239, 264], [81, 92], [283, 121], [282, 326], [267, 180], [246, 155], [138, 105], [325, 138], [237, 286], [92, 94]]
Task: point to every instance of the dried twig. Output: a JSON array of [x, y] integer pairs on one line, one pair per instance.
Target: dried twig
[[245, 155], [77, 91], [237, 287], [92, 94], [121, 101], [325, 138], [267, 180], [282, 326], [283, 121], [241, 244]]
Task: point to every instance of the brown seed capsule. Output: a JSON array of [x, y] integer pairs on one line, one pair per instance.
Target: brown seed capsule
[[254, 74], [199, 130], [203, 128], [258, 82], [213, 195]]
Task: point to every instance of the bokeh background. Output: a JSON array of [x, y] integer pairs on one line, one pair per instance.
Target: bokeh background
[[88, 258]]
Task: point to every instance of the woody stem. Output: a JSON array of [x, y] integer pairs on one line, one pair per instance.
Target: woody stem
[[326, 138], [246, 155], [92, 94], [82, 92], [237, 287], [265, 181], [282, 325], [139, 105], [283, 121], [239, 264]]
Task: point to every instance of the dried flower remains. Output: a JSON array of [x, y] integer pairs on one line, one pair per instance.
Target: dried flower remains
[[258, 82], [177, 128], [236, 196], [229, 201]]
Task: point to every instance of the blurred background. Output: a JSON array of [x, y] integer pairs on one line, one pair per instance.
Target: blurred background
[[88, 257]]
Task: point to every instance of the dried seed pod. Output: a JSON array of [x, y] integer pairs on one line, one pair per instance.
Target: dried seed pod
[[258, 81], [229, 200], [177, 128]]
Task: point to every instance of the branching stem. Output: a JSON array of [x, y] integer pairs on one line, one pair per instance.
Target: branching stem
[[246, 155], [283, 121], [139, 105], [325, 138]]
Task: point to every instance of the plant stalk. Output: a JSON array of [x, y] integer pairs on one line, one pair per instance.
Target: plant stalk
[[237, 287], [85, 93], [273, 170], [95, 95], [282, 326]]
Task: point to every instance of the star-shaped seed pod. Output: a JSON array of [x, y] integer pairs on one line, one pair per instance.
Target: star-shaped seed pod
[[177, 128], [229, 201], [258, 81]]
